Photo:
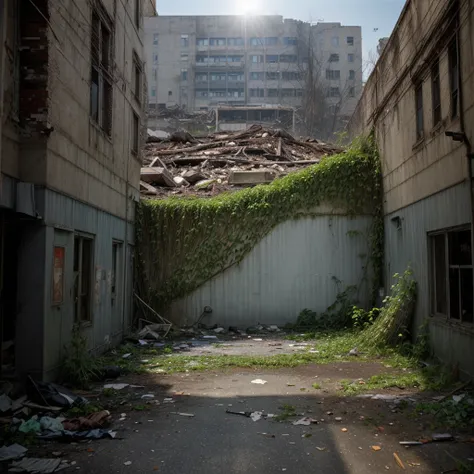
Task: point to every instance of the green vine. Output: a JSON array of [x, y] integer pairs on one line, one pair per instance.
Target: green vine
[[184, 242]]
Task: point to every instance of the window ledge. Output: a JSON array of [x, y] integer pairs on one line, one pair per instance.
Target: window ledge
[[436, 129], [462, 327], [94, 124], [419, 143]]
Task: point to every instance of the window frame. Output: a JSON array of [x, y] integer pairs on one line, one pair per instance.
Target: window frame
[[333, 58], [454, 75], [350, 40], [350, 57], [137, 13], [137, 77], [419, 112], [116, 272], [135, 143], [184, 41]]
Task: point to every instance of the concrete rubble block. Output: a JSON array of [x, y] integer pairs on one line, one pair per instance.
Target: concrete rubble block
[[192, 176], [251, 177], [180, 181], [157, 175], [148, 189]]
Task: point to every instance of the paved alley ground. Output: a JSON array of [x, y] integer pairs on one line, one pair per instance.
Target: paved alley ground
[[353, 434]]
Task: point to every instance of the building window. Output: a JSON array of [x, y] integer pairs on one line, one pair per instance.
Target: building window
[[256, 58], [257, 76], [201, 77], [83, 265], [335, 41], [333, 74], [137, 13], [272, 58], [235, 42], [135, 133], [350, 40], [257, 92], [451, 274], [272, 92], [290, 41], [154, 74], [202, 41], [256, 42], [184, 57], [351, 91], [288, 58], [155, 58], [334, 58], [184, 42], [184, 74], [217, 41], [153, 91], [334, 92], [101, 73], [419, 111], [352, 74], [116, 266], [155, 39], [271, 41], [273, 76], [291, 76], [435, 93], [137, 77], [454, 75], [350, 57]]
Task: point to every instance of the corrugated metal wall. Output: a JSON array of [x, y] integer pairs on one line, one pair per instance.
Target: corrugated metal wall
[[289, 270], [64, 217], [409, 246]]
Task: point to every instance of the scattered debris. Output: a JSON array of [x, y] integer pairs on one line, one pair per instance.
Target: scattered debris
[[305, 421], [225, 160], [83, 423], [442, 437], [127, 463], [35, 465], [344, 430], [320, 448], [410, 443], [398, 461], [13, 451], [354, 352], [148, 396], [376, 448], [190, 415], [5, 403], [256, 415], [338, 418], [116, 386], [259, 381], [267, 435]]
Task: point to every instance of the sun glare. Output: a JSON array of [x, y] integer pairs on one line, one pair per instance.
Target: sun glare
[[246, 7]]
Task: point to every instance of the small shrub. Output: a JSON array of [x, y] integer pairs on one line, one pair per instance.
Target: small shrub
[[362, 319]]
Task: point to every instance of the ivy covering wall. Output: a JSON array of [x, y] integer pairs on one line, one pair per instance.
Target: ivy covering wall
[[184, 242]]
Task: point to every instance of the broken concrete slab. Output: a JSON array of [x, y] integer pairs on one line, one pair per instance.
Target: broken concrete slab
[[192, 176], [158, 175], [251, 177], [147, 189]]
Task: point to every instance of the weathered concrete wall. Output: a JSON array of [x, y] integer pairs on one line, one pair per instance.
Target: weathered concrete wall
[[291, 269]]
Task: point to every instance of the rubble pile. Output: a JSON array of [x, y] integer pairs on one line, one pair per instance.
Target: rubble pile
[[183, 164]]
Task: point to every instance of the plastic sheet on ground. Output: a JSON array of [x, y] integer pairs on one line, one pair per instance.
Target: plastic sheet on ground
[[35, 465], [14, 451], [73, 435]]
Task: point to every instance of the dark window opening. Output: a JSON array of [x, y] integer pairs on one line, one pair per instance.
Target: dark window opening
[[135, 133], [137, 13], [334, 58], [452, 275], [350, 40], [116, 265], [137, 77], [436, 93], [453, 59], [419, 111], [83, 264]]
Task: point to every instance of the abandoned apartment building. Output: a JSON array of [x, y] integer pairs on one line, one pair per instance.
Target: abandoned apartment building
[[72, 95], [420, 101], [200, 62]]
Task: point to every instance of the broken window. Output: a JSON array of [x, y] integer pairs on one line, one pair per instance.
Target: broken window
[[256, 41], [155, 58], [290, 41], [135, 133], [137, 77], [83, 265], [435, 93], [334, 58], [452, 275], [288, 58], [454, 75], [350, 40], [101, 72], [333, 74], [419, 110]]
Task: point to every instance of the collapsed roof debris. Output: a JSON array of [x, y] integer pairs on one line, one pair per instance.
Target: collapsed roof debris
[[185, 165]]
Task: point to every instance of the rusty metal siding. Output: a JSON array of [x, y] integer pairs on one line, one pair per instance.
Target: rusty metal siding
[[63, 217], [409, 246], [289, 270]]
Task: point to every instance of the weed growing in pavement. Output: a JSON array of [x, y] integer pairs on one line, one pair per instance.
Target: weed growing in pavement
[[287, 411], [316, 386]]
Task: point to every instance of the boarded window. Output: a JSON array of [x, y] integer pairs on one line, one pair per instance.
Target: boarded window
[[83, 265], [435, 93]]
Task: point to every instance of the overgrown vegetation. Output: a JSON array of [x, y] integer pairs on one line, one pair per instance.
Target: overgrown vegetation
[[207, 235], [450, 413]]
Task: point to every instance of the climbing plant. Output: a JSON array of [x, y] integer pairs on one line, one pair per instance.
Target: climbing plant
[[184, 241]]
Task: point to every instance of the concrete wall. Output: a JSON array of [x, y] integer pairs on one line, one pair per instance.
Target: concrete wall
[[291, 269]]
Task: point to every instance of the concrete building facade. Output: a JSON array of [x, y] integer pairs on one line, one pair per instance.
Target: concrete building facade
[[72, 98], [199, 62], [419, 100]]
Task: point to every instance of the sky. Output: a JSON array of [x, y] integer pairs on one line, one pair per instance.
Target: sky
[[369, 14]]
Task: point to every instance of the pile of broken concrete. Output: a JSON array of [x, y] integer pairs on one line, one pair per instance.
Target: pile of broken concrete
[[184, 165]]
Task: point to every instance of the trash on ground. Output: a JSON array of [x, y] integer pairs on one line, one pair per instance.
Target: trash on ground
[[77, 435], [127, 463], [30, 426], [259, 381], [13, 451], [267, 435], [398, 461], [37, 466], [116, 386], [168, 400], [338, 418], [209, 337], [127, 355], [305, 421], [376, 448], [241, 413], [320, 448], [344, 430], [190, 415], [83, 423], [256, 415], [354, 352], [53, 395], [5, 403], [306, 435], [442, 437], [218, 330], [52, 424], [410, 443], [148, 396]]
